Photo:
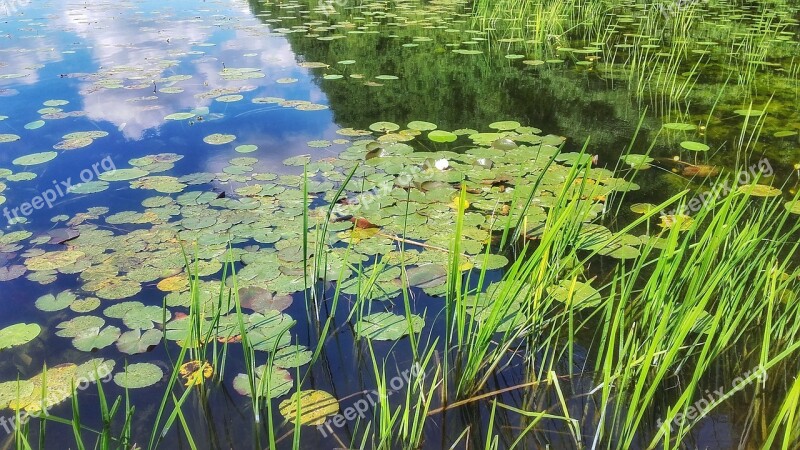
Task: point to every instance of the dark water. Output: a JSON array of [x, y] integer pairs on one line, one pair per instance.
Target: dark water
[[112, 63]]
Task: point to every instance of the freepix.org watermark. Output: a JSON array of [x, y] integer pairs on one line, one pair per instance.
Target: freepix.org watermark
[[102, 373], [702, 406], [60, 188], [371, 398], [762, 168]]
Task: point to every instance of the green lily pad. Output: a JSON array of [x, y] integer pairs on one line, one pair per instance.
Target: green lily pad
[[637, 161], [490, 262], [34, 158], [123, 174], [442, 136], [426, 276], [292, 356], [14, 391], [95, 338], [246, 148], [57, 302], [5, 138], [219, 139], [384, 127], [576, 293], [694, 146], [505, 125], [90, 187], [421, 125], [134, 341], [279, 383], [680, 126], [792, 206], [759, 190], [18, 334], [35, 125], [139, 375], [260, 300], [386, 326]]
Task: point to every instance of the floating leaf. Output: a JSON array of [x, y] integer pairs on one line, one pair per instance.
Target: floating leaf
[[139, 375], [174, 283], [18, 334], [680, 126], [8, 273], [575, 293], [292, 356], [427, 276], [279, 383], [642, 208], [505, 125], [421, 126], [57, 383], [90, 187], [123, 174], [490, 262], [195, 372], [694, 146], [759, 190], [311, 406], [219, 139], [792, 206], [4, 138], [35, 125], [637, 161], [384, 127], [247, 148], [442, 136], [54, 260], [95, 338], [682, 221], [180, 116], [261, 300], [14, 391], [57, 302], [385, 326], [34, 158]]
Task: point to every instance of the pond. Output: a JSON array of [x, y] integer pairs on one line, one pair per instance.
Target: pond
[[399, 224]]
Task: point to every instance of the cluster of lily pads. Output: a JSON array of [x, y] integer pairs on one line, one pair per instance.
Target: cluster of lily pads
[[397, 199]]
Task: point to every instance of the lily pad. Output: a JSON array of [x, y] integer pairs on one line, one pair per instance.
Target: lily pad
[[575, 293], [8, 273], [279, 383], [134, 341], [427, 276], [57, 383], [385, 326], [139, 375], [5, 138], [57, 302], [442, 136], [421, 125], [123, 174], [759, 190], [18, 334], [694, 146], [311, 407], [505, 125], [96, 338], [219, 139], [260, 300], [384, 127]]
